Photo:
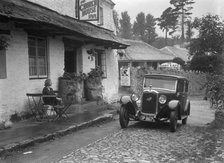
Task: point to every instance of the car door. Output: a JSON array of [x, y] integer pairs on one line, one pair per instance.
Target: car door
[[181, 95]]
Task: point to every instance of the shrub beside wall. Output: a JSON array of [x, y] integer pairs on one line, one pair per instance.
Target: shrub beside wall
[[197, 79]]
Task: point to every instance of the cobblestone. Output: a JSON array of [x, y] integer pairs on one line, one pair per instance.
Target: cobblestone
[[145, 143]]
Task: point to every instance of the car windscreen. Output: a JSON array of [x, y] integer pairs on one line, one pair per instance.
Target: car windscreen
[[169, 84]]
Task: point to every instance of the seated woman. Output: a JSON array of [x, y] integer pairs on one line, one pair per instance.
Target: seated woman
[[47, 90]]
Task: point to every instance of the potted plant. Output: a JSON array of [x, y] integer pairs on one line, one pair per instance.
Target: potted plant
[[93, 84], [72, 84]]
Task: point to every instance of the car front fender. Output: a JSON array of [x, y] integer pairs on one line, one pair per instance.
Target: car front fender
[[125, 99], [173, 105]]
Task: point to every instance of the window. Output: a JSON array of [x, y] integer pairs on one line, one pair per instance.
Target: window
[[186, 86], [100, 16], [100, 60], [37, 57], [180, 86], [3, 64]]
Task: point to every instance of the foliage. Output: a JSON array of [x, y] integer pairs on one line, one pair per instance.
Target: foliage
[[207, 63], [211, 32], [125, 28], [116, 20], [4, 42], [74, 76], [189, 32], [207, 49], [168, 21], [139, 25], [160, 42], [182, 8], [144, 28], [95, 72], [150, 29]]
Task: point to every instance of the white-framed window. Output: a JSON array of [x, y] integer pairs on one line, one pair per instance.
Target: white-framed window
[[37, 57], [3, 74], [100, 61], [100, 21]]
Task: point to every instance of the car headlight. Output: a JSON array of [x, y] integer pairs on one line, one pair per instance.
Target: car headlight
[[138, 103], [134, 97], [162, 99]]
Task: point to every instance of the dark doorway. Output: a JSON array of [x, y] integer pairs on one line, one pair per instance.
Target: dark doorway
[[70, 60]]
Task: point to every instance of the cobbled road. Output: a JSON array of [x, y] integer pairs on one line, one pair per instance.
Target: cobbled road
[[144, 142]]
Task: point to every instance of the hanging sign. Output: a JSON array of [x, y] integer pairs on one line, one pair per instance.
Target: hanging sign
[[88, 10], [125, 76]]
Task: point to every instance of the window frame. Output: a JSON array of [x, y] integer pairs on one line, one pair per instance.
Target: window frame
[[101, 55], [3, 72], [101, 21], [37, 58]]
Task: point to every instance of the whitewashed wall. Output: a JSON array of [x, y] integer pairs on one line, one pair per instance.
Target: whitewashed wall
[[14, 88], [67, 7], [111, 83]]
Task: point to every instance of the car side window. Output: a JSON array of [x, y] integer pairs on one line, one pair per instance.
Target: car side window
[[180, 86], [186, 86]]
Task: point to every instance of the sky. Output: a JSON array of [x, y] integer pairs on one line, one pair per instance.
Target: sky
[[156, 8]]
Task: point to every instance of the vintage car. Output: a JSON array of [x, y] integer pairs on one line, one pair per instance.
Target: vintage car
[[164, 98]]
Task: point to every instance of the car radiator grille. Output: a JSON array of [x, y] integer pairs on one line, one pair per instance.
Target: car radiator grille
[[149, 101]]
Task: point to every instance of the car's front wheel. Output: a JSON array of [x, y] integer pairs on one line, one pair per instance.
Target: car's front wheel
[[173, 121], [123, 117]]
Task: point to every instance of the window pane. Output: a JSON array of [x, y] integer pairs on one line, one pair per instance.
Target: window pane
[[32, 66], [32, 51], [31, 41], [42, 66], [37, 56], [41, 43], [41, 52], [2, 64], [103, 62]]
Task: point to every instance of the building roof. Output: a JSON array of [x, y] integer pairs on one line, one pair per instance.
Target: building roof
[[178, 52], [30, 15], [141, 51]]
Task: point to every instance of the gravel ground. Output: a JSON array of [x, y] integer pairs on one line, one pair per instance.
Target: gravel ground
[[144, 142]]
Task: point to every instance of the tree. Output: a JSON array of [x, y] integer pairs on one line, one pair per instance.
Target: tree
[[144, 28], [189, 32], [209, 43], [139, 26], [182, 8], [125, 28], [150, 29], [168, 21], [116, 20]]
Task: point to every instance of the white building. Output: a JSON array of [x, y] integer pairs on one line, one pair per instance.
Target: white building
[[44, 43]]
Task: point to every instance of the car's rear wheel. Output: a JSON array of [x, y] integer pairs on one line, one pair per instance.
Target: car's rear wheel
[[184, 121], [123, 117], [173, 121]]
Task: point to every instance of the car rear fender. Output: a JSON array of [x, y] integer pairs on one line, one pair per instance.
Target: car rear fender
[[173, 105], [187, 106]]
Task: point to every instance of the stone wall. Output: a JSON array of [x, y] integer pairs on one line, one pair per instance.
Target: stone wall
[[197, 79]]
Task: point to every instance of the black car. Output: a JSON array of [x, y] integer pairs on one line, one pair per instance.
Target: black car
[[164, 98]]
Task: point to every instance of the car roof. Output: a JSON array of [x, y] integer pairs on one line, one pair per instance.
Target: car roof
[[166, 76]]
